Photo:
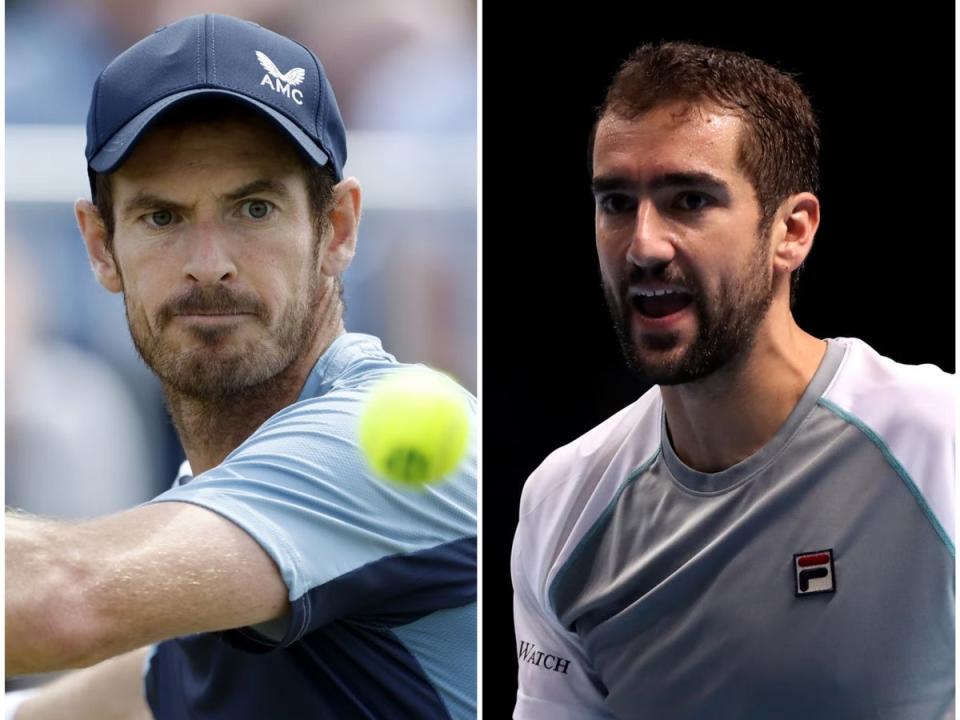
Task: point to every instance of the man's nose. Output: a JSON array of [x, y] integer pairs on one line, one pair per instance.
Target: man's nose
[[652, 242], [209, 258]]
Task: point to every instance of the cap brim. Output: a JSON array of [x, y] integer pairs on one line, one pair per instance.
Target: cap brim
[[117, 148]]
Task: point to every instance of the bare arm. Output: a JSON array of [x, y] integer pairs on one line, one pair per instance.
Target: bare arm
[[111, 690], [77, 593]]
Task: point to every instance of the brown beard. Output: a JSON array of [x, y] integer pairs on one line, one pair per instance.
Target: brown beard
[[726, 326], [215, 370]]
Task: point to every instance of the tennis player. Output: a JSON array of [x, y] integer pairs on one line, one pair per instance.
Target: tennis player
[[769, 531], [278, 578]]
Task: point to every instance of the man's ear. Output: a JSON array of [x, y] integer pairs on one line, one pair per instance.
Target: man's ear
[[799, 219], [95, 238], [344, 219]]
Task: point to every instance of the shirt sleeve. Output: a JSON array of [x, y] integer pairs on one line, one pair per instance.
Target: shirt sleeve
[[555, 681], [347, 544]]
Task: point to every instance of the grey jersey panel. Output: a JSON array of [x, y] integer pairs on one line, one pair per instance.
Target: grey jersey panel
[[684, 593]]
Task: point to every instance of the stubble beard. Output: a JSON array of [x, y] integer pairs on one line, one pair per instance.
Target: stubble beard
[[216, 368], [727, 327]]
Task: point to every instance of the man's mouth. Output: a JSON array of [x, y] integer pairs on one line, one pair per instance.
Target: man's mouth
[[200, 313], [659, 302], [211, 306], [219, 319]]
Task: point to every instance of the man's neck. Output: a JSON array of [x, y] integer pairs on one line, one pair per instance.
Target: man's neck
[[210, 430], [716, 422]]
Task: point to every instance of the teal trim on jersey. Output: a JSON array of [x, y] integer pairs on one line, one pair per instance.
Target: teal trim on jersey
[[595, 528], [895, 464]]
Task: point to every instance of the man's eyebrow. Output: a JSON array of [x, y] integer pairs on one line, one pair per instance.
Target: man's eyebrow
[[263, 185], [671, 179], [148, 201]]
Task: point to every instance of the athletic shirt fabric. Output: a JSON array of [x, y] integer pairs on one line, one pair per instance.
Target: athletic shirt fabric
[[646, 590], [381, 579]]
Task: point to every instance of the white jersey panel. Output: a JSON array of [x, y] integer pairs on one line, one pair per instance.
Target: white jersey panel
[[562, 500], [911, 410]]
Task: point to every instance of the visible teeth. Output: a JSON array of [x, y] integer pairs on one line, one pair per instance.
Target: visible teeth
[[652, 293]]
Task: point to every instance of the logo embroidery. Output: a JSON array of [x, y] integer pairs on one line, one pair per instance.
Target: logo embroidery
[[283, 83], [813, 572], [529, 654]]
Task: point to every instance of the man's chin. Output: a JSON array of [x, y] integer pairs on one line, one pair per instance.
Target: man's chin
[[211, 384], [657, 345], [212, 373], [659, 367]]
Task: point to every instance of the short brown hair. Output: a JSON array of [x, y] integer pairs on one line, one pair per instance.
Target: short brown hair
[[780, 150]]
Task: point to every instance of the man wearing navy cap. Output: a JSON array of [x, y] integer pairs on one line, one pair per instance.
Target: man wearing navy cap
[[278, 577]]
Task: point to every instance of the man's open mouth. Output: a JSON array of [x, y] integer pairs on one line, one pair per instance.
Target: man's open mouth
[[659, 303]]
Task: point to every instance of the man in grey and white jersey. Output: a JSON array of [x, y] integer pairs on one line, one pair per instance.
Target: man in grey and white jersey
[[768, 532]]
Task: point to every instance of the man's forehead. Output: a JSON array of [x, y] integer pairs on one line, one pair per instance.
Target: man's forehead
[[675, 115], [223, 143], [670, 137], [249, 131]]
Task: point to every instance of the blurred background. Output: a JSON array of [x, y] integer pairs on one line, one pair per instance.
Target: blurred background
[[882, 267], [86, 430]]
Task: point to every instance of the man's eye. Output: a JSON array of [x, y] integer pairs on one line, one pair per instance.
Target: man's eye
[[616, 203], [256, 209], [161, 218], [692, 201]]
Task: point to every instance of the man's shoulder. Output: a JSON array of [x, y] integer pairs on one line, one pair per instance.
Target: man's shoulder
[[341, 381], [599, 460], [869, 384], [570, 490], [909, 413], [319, 433], [353, 360]]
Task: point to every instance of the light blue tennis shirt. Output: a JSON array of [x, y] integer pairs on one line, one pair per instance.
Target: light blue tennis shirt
[[813, 579], [381, 579]]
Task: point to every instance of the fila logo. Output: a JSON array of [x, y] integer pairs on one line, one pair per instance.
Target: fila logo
[[283, 83], [529, 654], [813, 572]]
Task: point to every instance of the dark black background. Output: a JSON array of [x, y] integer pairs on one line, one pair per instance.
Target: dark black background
[[882, 266]]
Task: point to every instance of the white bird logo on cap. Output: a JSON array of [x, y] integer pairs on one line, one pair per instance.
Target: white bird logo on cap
[[291, 77]]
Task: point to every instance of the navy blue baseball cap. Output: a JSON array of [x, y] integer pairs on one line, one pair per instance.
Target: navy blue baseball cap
[[214, 55]]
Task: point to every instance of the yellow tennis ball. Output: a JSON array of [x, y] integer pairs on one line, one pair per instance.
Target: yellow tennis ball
[[414, 427]]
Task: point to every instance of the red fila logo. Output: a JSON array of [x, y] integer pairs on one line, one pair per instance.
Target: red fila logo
[[813, 572]]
